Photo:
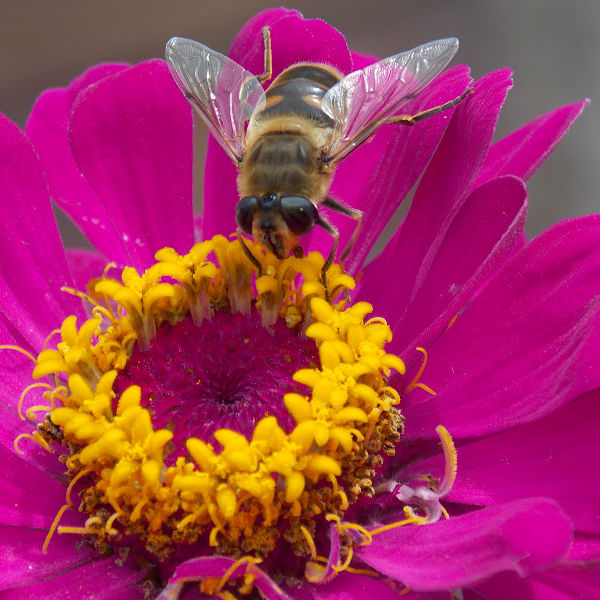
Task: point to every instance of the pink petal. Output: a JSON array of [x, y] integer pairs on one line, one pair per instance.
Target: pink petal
[[585, 550], [101, 579], [131, 136], [525, 346], [348, 586], [568, 582], [523, 152], [33, 266], [523, 536], [555, 457], [487, 229], [47, 128], [577, 578], [293, 40], [22, 560], [247, 44], [440, 195], [28, 497]]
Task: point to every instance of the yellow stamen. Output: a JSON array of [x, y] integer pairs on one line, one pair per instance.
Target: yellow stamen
[[412, 518], [367, 535], [24, 393], [415, 382], [366, 572], [33, 409], [450, 456], [309, 541], [103, 311], [82, 295], [69, 504], [249, 560], [346, 563], [54, 525], [108, 527], [76, 530], [72, 483], [35, 437], [17, 349], [49, 337]]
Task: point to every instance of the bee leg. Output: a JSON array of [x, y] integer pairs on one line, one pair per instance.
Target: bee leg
[[333, 232], [349, 212], [412, 119], [298, 252], [268, 72], [249, 254]]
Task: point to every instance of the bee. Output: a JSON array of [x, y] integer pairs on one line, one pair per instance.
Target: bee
[[287, 140]]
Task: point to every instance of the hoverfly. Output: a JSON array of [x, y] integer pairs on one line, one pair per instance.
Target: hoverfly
[[286, 140]]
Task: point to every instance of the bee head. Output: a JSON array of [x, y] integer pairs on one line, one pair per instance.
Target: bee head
[[276, 221]]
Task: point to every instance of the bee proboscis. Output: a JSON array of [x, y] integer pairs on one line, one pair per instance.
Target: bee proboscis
[[286, 140]]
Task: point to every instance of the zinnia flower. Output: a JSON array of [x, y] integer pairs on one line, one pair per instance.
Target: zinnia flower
[[206, 430]]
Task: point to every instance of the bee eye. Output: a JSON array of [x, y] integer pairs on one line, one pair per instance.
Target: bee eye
[[299, 213], [244, 212]]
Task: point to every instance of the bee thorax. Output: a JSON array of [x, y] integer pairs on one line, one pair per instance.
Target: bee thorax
[[284, 164]]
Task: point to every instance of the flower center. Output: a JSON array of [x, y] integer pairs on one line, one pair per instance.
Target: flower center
[[205, 415], [229, 369]]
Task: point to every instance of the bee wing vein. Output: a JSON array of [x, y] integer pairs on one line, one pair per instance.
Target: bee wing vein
[[361, 100], [223, 93]]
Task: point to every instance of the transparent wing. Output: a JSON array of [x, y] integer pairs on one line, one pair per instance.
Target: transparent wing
[[223, 93], [359, 102]]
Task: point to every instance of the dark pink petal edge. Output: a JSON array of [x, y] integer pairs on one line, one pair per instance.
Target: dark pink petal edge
[[523, 152]]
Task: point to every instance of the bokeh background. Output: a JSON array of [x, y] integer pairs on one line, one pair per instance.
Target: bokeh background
[[553, 46]]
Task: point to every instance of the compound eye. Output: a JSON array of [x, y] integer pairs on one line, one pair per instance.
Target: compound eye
[[299, 213], [244, 213]]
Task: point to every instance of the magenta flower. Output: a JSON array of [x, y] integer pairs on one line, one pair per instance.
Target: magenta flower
[[508, 328]]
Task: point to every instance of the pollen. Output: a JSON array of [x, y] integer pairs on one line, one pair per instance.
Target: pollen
[[203, 400]]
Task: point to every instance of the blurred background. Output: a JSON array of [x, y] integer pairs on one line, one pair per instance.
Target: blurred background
[[553, 46]]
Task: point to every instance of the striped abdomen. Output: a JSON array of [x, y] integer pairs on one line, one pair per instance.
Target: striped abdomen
[[298, 91]]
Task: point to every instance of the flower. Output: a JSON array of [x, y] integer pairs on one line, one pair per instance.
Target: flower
[[507, 327]]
